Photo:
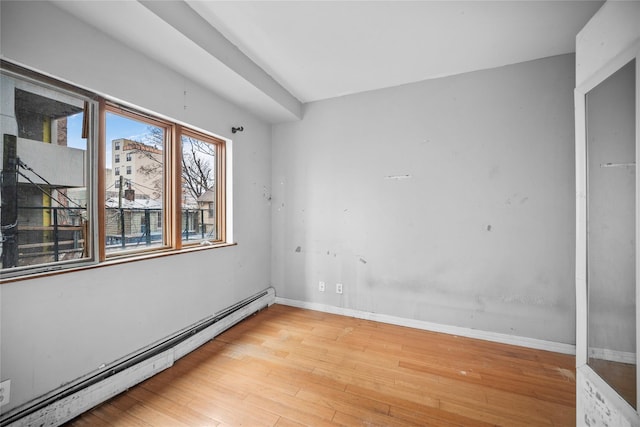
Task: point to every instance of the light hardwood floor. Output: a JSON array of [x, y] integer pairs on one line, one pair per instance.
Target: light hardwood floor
[[288, 367]]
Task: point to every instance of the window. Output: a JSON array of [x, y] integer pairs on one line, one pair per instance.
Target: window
[[132, 213], [173, 196], [201, 176], [46, 210]]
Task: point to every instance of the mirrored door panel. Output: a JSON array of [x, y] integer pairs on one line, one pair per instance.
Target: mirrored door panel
[[611, 231]]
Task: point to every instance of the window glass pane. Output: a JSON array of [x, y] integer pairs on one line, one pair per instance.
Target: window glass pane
[[134, 203], [199, 193], [44, 206]]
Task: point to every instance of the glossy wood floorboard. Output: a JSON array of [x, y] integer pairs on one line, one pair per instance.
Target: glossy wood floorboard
[[287, 366]]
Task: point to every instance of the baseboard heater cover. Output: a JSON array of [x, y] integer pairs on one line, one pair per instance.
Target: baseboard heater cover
[[67, 403]]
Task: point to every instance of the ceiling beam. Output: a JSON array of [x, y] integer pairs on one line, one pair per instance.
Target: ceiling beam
[[187, 21]]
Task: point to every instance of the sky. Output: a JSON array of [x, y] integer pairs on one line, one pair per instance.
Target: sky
[[117, 127]]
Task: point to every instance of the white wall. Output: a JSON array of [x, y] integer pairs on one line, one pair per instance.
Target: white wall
[[58, 328], [448, 201]]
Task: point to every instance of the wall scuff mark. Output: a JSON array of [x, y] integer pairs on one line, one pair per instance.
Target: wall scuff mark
[[516, 198], [266, 194], [523, 299]]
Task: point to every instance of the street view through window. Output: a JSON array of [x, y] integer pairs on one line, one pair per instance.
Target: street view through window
[[156, 192]]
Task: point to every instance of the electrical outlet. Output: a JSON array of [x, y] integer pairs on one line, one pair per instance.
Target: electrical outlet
[[321, 286], [338, 288], [5, 392]]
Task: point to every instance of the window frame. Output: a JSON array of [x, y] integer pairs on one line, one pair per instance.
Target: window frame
[[98, 106], [63, 90], [220, 182], [167, 171]]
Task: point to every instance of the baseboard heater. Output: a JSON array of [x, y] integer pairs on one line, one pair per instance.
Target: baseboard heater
[[67, 403]]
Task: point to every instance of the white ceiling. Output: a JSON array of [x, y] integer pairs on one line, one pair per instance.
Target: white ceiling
[[322, 49]]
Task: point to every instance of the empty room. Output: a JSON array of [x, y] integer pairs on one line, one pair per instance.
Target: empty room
[[284, 213]]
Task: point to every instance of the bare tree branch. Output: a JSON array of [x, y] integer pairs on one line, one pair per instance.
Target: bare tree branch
[[198, 162]]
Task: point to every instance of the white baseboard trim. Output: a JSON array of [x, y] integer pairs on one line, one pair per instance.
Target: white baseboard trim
[[435, 327], [66, 408], [613, 355]]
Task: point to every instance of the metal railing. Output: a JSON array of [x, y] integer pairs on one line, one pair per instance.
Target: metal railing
[[50, 233], [47, 234], [130, 227]]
